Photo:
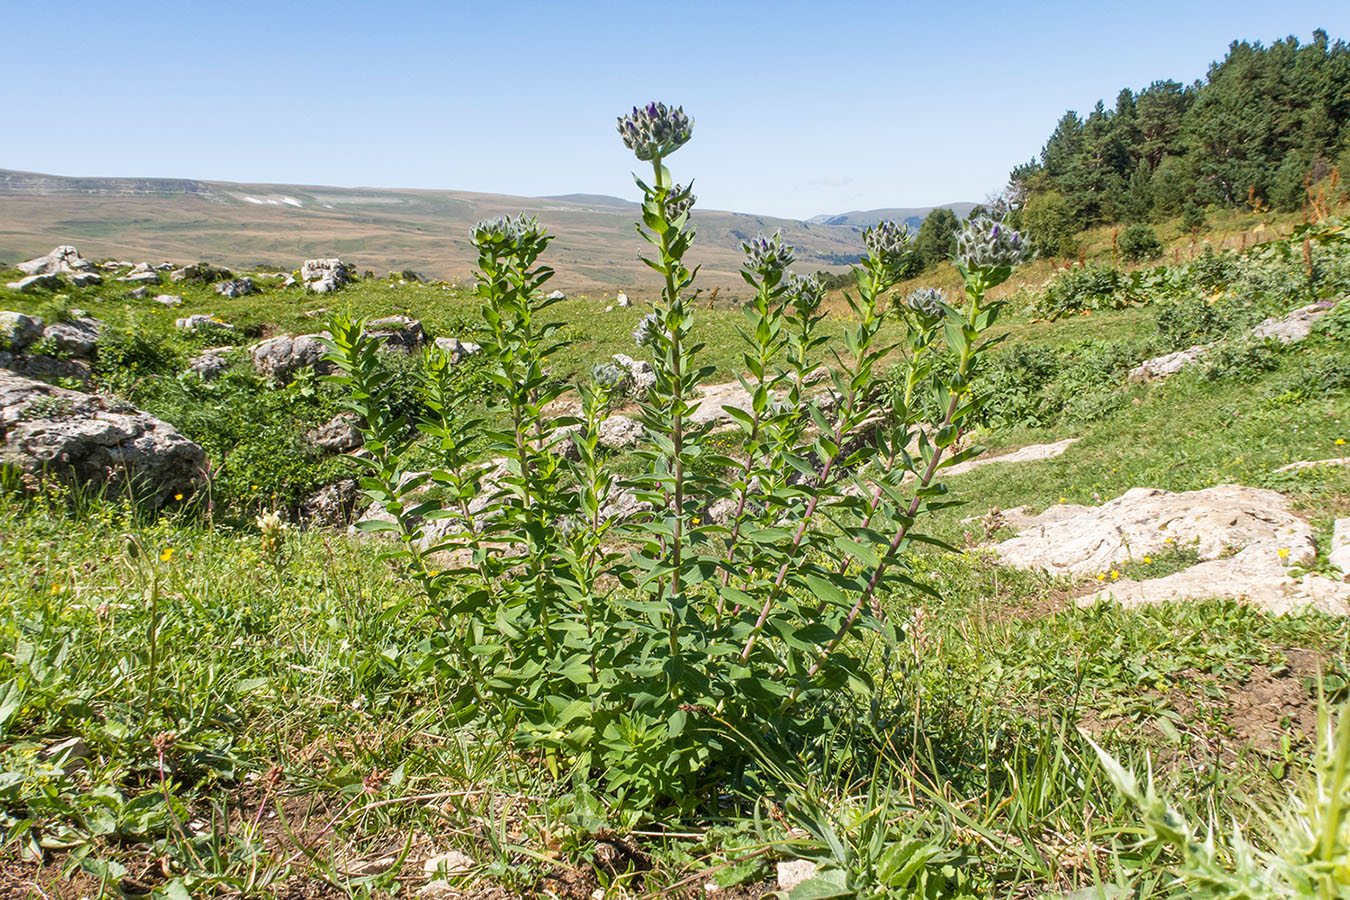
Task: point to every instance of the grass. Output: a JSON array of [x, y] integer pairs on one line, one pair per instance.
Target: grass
[[272, 722]]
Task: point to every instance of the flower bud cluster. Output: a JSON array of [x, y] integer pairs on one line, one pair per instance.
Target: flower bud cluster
[[989, 243], [508, 233], [804, 292], [648, 332], [888, 243], [926, 301], [768, 256], [679, 202], [610, 376], [655, 130]]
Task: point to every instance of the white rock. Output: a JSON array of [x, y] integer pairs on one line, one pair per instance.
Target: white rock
[[169, 300], [1081, 542], [557, 295], [456, 349], [639, 370], [198, 322], [63, 260], [619, 433], [1169, 364], [448, 865], [622, 300], [1293, 326], [792, 872], [35, 282], [323, 276], [1340, 546]]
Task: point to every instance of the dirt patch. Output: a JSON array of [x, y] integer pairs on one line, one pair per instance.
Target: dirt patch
[[1269, 701]]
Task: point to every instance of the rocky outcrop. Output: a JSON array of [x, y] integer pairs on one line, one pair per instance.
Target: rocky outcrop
[[619, 433], [338, 435], [1246, 539], [142, 273], [401, 333], [93, 441], [77, 338], [236, 287], [1168, 364], [332, 505], [18, 332], [279, 358], [200, 273], [36, 283], [641, 377], [210, 363], [198, 322], [169, 300], [64, 260], [1291, 327], [456, 349], [1340, 546], [323, 276]]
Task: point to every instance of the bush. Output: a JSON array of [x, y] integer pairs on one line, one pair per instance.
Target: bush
[[1085, 287], [1139, 242]]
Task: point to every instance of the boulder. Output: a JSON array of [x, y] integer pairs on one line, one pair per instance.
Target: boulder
[[1246, 539], [142, 273], [1293, 326], [1169, 364], [201, 273], [46, 368], [622, 301], [85, 279], [36, 283], [337, 435], [623, 504], [456, 349], [619, 433], [94, 441], [556, 295], [323, 276], [210, 363], [236, 287], [170, 300], [65, 259], [642, 377], [332, 505], [139, 293], [279, 358], [77, 338], [18, 332], [401, 333], [199, 322]]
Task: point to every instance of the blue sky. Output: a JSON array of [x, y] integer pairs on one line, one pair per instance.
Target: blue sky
[[799, 108]]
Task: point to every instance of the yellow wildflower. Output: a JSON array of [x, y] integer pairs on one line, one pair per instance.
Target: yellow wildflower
[[178, 496], [1114, 575], [56, 589], [1340, 441], [1101, 576], [166, 554], [1148, 560], [1284, 552]]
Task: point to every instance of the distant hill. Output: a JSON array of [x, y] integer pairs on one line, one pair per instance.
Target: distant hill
[[913, 216], [241, 225]]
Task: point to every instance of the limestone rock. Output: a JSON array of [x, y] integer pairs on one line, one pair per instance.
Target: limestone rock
[[713, 397], [557, 295], [1340, 546], [337, 435], [622, 301], [200, 273], [36, 283], [210, 363], [623, 504], [18, 332], [85, 279], [46, 368], [792, 872], [332, 505], [401, 333], [65, 259], [1029, 453], [448, 865], [1293, 326], [456, 349], [169, 300], [1246, 538], [94, 441], [279, 358], [77, 338], [139, 293], [639, 372], [323, 276], [236, 287], [142, 273], [619, 433], [199, 322], [1170, 364]]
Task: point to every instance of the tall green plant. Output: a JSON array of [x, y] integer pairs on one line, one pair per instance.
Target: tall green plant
[[641, 631]]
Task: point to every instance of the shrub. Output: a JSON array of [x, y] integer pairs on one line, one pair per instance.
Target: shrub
[[1085, 287], [658, 652], [1139, 242]]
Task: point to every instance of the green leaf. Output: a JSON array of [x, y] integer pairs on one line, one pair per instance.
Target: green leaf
[[830, 883]]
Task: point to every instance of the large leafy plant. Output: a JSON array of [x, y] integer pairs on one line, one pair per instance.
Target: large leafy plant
[[645, 630]]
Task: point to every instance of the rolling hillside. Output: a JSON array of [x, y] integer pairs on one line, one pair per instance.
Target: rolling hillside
[[181, 220]]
